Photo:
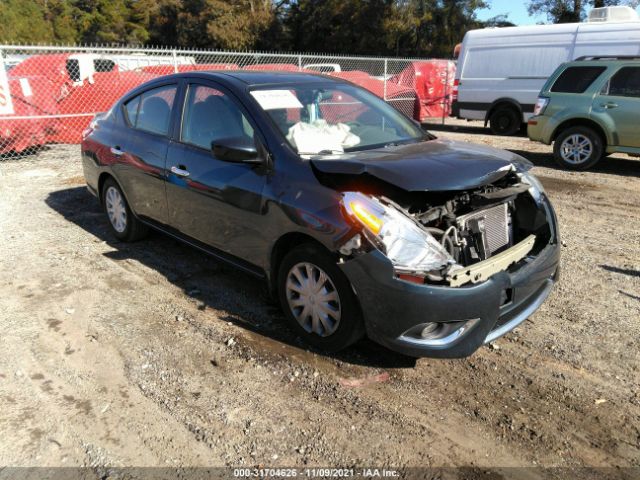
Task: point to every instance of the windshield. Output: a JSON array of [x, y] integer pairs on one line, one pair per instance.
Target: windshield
[[335, 119]]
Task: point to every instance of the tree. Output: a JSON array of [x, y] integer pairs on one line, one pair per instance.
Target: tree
[[430, 28], [337, 26], [371, 27], [567, 11], [226, 24], [24, 21]]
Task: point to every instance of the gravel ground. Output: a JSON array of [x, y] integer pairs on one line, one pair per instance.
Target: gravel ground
[[151, 354]]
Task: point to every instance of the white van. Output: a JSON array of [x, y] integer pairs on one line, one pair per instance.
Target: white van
[[501, 70]]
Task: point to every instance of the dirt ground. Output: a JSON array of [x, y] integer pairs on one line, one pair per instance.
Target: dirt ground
[[151, 354]]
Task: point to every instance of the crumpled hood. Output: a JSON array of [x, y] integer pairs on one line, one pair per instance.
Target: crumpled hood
[[435, 165]]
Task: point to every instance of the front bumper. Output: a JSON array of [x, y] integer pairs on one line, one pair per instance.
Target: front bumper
[[393, 307]]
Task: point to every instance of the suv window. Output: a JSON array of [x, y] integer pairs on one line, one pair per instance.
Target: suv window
[[211, 115], [576, 79], [625, 83], [151, 111]]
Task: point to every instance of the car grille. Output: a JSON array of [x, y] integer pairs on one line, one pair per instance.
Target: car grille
[[494, 224]]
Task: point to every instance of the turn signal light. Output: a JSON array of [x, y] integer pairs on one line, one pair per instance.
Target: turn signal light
[[368, 219]]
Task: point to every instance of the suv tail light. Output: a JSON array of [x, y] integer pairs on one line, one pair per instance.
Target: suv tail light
[[541, 104], [454, 90]]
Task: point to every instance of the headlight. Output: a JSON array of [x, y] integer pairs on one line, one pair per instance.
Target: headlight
[[536, 189], [409, 247]]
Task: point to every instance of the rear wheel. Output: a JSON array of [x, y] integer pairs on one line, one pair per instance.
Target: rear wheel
[[124, 225], [317, 299], [578, 148], [505, 121]]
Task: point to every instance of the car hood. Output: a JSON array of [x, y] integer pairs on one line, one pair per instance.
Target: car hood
[[434, 165]]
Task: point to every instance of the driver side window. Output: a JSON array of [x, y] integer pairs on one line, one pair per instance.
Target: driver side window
[[210, 115]]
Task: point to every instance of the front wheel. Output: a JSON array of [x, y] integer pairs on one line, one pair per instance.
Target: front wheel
[[317, 299], [578, 148]]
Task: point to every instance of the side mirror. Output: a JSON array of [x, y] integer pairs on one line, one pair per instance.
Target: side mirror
[[236, 150]]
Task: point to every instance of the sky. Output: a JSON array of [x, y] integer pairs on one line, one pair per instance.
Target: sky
[[516, 10]]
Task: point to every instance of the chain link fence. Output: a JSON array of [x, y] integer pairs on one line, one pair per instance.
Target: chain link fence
[[48, 94]]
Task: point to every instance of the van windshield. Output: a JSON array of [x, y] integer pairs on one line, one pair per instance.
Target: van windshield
[[332, 119]]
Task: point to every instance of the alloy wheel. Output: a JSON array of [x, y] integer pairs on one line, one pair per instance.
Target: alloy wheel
[[576, 149], [313, 299]]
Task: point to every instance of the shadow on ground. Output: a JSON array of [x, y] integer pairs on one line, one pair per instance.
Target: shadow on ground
[[622, 271], [210, 283], [471, 128], [614, 165]]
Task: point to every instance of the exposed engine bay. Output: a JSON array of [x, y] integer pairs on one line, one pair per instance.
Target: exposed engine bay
[[474, 225], [490, 227]]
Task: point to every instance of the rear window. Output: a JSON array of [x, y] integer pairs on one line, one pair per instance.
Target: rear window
[[151, 111], [576, 79]]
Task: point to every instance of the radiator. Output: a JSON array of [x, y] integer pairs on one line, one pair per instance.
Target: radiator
[[494, 224]]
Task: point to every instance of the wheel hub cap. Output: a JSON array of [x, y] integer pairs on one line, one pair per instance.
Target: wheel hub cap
[[116, 209], [313, 299]]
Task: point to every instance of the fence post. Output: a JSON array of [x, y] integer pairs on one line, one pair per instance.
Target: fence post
[[299, 62], [175, 61], [384, 95], [445, 99]]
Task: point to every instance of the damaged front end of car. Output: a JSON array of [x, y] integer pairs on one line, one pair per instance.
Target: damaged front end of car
[[466, 266]]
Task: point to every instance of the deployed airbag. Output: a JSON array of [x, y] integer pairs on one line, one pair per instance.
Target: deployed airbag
[[319, 136]]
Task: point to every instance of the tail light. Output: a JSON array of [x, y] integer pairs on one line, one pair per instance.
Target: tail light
[[454, 91], [541, 105]]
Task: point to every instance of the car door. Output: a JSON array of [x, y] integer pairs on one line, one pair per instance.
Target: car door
[[141, 169], [618, 105], [211, 200]]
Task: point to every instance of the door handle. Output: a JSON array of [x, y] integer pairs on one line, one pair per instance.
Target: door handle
[[609, 105], [116, 151], [179, 170]]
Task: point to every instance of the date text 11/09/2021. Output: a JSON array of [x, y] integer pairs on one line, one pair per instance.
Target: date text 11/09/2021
[[314, 472]]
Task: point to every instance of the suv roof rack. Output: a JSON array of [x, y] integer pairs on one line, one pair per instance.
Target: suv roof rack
[[607, 57]]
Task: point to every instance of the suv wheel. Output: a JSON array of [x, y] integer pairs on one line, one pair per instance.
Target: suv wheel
[[124, 225], [578, 148], [317, 299], [505, 121]]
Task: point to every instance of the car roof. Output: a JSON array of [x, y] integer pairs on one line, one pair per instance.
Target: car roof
[[605, 60], [256, 78]]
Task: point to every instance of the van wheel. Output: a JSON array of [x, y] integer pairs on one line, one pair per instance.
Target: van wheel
[[124, 225], [505, 121], [578, 148], [317, 299]]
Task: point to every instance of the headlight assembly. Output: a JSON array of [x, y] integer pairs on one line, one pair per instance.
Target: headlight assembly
[[403, 241], [536, 190]]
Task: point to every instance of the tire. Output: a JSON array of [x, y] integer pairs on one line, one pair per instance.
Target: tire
[[340, 329], [578, 148], [124, 224], [505, 121]]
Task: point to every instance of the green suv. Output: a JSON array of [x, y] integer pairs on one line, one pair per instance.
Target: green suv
[[589, 108]]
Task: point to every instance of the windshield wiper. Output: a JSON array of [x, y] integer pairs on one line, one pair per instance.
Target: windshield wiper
[[323, 152]]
